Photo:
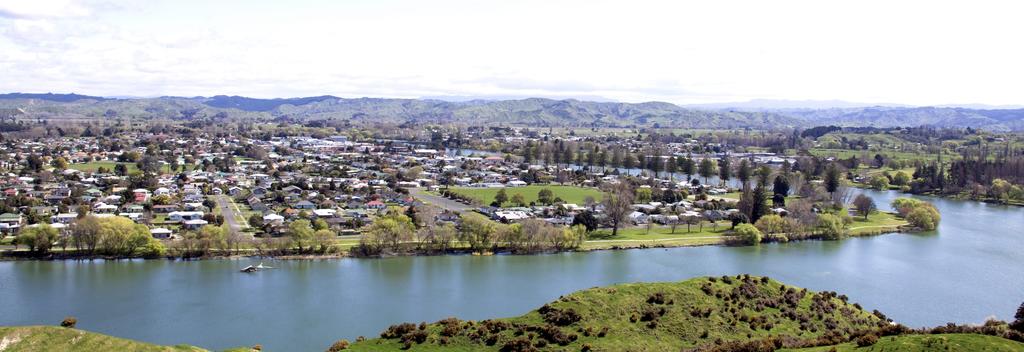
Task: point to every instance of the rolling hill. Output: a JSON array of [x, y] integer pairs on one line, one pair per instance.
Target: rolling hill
[[536, 112]]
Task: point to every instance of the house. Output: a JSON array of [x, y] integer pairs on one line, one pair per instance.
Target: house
[[325, 213], [193, 224], [160, 233], [167, 208], [273, 219], [63, 218], [305, 205], [103, 208], [141, 195], [184, 215], [511, 215], [376, 204], [10, 222]]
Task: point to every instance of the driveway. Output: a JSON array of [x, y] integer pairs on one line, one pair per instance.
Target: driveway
[[436, 200]]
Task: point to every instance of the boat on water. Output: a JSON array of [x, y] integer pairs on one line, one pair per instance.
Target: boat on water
[[252, 269]]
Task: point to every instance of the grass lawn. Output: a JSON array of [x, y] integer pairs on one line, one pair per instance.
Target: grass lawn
[[876, 222], [633, 237], [570, 194]]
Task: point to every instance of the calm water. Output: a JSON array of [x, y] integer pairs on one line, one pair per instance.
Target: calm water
[[970, 269]]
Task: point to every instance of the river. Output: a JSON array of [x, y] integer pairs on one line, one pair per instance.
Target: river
[[969, 269]]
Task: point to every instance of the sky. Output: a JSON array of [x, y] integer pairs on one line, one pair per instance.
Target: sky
[[685, 52]]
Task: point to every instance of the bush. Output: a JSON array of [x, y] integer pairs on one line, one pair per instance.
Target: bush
[[925, 217], [831, 227], [69, 322], [748, 233], [867, 340], [339, 345]]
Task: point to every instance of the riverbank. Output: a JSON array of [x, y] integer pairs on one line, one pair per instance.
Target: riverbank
[[626, 238]]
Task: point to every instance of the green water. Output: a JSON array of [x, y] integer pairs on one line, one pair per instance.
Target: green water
[[970, 269]]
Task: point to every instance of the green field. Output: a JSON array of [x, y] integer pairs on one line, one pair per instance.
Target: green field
[[92, 166], [570, 194]]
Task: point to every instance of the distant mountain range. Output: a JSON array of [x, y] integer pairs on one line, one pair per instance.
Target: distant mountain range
[[536, 112]]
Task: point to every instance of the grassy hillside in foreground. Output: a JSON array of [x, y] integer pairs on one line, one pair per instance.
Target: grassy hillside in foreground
[[647, 316], [55, 338], [924, 343]]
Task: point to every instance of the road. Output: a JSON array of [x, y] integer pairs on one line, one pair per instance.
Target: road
[[230, 211], [439, 201]]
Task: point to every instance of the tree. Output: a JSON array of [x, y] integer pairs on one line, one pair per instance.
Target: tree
[[1000, 190], [618, 204], [438, 237], [120, 169], [759, 205], [321, 224], [85, 233], [518, 200], [879, 182], [322, 239], [585, 218], [122, 237], [780, 189], [388, 231], [832, 178], [301, 232], [744, 172], [771, 224], [925, 217], [38, 238], [904, 205], [210, 236], [545, 196], [864, 205], [901, 179], [748, 234], [724, 170], [643, 195], [706, 169], [1018, 323], [477, 230], [59, 163], [500, 198], [831, 227]]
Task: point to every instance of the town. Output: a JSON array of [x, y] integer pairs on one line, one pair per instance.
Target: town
[[126, 192]]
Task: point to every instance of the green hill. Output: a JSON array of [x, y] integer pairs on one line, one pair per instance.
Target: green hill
[[741, 313], [923, 343], [648, 316], [55, 338]]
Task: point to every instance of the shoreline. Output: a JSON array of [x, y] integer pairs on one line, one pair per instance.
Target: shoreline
[[9, 256]]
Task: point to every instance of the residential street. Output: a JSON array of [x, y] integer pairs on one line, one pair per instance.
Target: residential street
[[230, 213]]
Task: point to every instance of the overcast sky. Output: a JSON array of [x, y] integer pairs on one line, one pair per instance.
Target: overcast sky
[[911, 52]]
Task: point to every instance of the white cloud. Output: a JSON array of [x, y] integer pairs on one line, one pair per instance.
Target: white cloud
[[43, 9], [917, 52]]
